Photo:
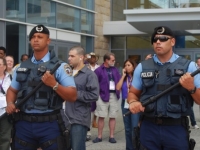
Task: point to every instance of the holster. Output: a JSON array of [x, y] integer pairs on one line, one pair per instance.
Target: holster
[[187, 127], [66, 135]]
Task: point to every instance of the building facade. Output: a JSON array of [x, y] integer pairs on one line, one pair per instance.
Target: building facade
[[120, 26], [133, 21], [71, 22]]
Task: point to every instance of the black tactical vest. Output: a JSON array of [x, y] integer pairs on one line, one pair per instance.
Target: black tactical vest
[[29, 76], [155, 79]]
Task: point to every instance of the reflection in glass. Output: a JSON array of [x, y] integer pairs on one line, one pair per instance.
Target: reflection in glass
[[15, 10], [15, 37], [41, 12], [68, 18], [63, 53], [153, 4], [119, 56], [197, 56], [88, 4], [86, 22], [117, 42], [87, 43], [192, 41], [118, 7], [138, 42]]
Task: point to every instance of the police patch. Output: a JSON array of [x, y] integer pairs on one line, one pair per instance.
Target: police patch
[[68, 69], [147, 75], [22, 69], [178, 72]]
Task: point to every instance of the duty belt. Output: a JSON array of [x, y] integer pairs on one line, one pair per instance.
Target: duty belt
[[166, 121], [47, 117]]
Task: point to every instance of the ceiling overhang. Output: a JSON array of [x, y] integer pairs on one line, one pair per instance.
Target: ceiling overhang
[[183, 21], [119, 28]]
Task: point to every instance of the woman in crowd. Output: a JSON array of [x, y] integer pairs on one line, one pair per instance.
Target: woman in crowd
[[132, 120], [5, 126]]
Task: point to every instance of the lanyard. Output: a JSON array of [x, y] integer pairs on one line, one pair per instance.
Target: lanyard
[[2, 82], [109, 74], [128, 83]]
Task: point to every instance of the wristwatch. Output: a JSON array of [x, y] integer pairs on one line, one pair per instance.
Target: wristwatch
[[55, 87], [193, 91]]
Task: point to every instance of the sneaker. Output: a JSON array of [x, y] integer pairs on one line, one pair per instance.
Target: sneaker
[[195, 127], [112, 140], [97, 140], [88, 137]]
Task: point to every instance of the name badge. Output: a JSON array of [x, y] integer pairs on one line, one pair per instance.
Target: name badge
[[147, 75], [112, 85], [126, 105]]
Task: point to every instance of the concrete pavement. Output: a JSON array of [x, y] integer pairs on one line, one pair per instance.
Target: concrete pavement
[[120, 136]]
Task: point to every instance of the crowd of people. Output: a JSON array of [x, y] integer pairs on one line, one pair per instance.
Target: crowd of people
[[76, 96]]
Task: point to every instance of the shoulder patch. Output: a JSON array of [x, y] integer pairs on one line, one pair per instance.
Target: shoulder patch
[[68, 69]]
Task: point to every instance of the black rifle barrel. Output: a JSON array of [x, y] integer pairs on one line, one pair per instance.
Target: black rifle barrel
[[33, 91], [155, 98]]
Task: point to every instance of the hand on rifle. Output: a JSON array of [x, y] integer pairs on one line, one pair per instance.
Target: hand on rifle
[[187, 81], [48, 79], [135, 106], [11, 108]]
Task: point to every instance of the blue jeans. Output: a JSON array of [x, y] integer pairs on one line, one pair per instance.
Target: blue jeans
[[192, 117], [78, 135], [157, 137], [130, 122]]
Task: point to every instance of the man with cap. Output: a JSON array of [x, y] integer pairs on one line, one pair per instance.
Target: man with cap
[[38, 122], [164, 123]]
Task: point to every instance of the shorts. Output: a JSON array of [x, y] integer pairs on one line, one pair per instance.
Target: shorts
[[109, 108]]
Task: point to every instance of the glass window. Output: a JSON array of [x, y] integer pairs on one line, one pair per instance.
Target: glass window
[[87, 43], [73, 2], [117, 42], [86, 22], [88, 4], [63, 53], [152, 4], [15, 40], [118, 7], [119, 57], [68, 18], [15, 10], [140, 42], [192, 41], [41, 12]]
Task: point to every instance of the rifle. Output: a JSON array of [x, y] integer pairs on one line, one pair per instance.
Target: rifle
[[3, 111], [156, 97]]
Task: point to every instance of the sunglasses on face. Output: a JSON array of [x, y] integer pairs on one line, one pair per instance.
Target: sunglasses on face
[[161, 39]]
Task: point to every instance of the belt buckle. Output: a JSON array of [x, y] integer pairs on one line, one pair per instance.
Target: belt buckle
[[34, 119], [159, 120]]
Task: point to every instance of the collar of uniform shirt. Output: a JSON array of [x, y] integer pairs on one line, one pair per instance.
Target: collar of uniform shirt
[[44, 59], [171, 60]]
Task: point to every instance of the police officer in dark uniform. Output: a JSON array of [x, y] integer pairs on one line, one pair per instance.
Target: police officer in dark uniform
[[164, 123], [38, 121]]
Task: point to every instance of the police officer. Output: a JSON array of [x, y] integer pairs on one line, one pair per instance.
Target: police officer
[[38, 122], [164, 123]]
